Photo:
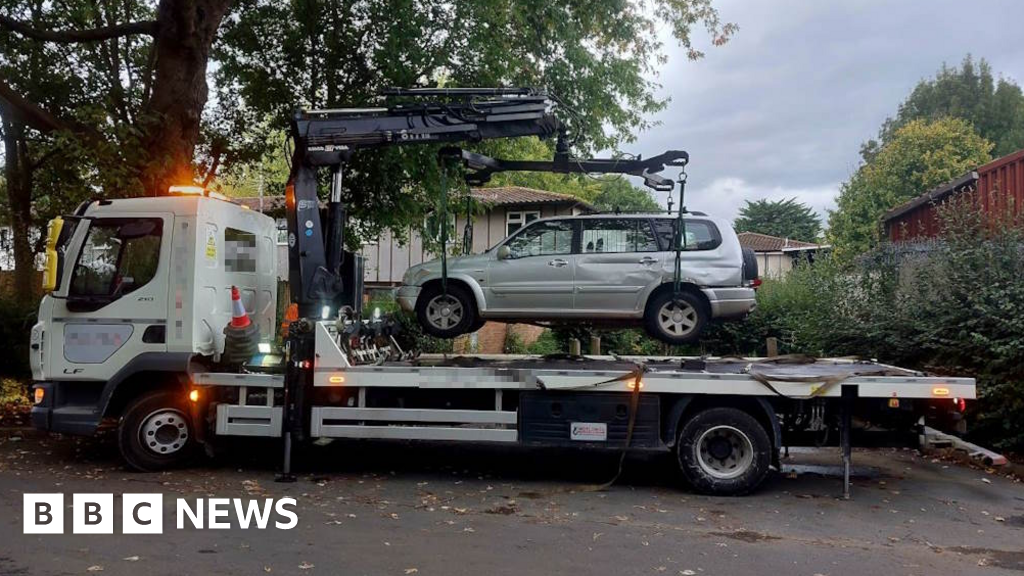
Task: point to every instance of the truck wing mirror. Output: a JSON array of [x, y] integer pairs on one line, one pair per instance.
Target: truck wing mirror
[[504, 252]]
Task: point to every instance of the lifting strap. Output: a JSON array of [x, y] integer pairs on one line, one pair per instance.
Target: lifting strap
[[679, 239], [443, 224]]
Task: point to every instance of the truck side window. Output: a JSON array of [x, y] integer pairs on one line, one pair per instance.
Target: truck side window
[[700, 234], [118, 256], [239, 251]]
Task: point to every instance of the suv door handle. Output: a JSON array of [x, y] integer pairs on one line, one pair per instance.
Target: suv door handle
[[648, 260], [558, 263]]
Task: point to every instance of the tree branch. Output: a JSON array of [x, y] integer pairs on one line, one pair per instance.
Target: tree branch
[[70, 36], [38, 118]]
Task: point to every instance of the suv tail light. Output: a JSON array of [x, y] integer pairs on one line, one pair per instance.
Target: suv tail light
[[755, 283]]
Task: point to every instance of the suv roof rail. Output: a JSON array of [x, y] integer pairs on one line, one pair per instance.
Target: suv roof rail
[[650, 212]]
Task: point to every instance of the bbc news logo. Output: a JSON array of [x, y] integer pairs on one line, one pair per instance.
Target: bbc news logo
[[144, 513]]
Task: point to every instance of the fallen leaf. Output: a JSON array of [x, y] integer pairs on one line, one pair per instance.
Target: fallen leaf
[[687, 572], [96, 568], [986, 480], [305, 566], [411, 570], [131, 559], [266, 569]]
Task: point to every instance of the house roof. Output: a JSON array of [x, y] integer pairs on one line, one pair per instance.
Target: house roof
[[936, 194], [508, 195], [765, 243], [498, 196]]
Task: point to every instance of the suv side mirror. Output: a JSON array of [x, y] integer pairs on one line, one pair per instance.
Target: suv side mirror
[[504, 252]]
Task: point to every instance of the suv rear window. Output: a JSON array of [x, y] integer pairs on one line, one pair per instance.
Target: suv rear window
[[700, 234]]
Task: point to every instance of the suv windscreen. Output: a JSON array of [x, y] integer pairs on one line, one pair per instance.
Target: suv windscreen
[[700, 234], [542, 239], [616, 235], [118, 257]]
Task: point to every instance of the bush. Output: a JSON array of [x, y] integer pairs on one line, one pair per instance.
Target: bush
[[16, 320]]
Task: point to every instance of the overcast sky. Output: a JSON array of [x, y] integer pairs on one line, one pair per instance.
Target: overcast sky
[[781, 110]]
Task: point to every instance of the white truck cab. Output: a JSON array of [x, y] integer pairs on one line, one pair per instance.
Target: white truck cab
[[139, 287]]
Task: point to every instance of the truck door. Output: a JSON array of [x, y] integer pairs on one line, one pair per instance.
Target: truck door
[[618, 260], [112, 305], [538, 273]]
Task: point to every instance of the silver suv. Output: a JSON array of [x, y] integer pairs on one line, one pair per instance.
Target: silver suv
[[608, 269]]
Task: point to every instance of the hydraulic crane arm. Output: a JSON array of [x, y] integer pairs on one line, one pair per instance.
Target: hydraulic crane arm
[[329, 138]]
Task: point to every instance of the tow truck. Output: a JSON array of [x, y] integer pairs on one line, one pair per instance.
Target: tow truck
[[131, 333]]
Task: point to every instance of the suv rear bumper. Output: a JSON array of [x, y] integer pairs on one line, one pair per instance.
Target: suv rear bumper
[[731, 302]]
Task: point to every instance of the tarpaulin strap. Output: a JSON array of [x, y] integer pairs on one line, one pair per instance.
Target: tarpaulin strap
[[827, 382]]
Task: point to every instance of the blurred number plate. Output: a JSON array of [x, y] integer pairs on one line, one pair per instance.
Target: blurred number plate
[[588, 431]]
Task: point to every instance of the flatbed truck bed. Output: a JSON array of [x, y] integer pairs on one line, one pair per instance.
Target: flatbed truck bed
[[594, 402]]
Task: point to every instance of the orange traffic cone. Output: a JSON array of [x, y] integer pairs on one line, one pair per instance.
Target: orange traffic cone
[[239, 319], [241, 335]]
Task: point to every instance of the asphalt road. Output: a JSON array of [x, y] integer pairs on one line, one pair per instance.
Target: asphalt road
[[379, 508]]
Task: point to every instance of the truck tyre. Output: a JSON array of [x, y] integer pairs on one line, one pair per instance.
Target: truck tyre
[[724, 452], [676, 321], [446, 315], [155, 433]]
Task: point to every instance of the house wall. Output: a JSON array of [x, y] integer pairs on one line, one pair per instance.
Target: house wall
[[773, 264]]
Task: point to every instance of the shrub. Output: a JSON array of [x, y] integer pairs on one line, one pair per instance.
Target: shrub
[[16, 320]]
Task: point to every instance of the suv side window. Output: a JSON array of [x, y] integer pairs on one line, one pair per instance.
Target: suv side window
[[700, 234], [118, 257], [543, 239], [616, 235]]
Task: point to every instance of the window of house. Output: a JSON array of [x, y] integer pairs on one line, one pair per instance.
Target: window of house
[[239, 251], [118, 257], [516, 220], [700, 234], [617, 235], [543, 239]]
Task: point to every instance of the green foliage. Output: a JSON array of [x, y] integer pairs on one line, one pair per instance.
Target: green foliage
[[546, 343], [782, 218], [513, 343], [994, 107], [921, 155], [16, 319]]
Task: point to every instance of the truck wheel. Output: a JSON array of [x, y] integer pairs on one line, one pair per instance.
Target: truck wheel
[[446, 315], [676, 321], [156, 433], [724, 452]]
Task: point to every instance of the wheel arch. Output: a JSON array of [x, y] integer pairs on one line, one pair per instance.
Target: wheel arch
[[689, 287], [464, 281], [146, 372], [685, 406]]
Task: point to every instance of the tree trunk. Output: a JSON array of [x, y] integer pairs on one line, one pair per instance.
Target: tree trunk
[[186, 30], [18, 175]]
